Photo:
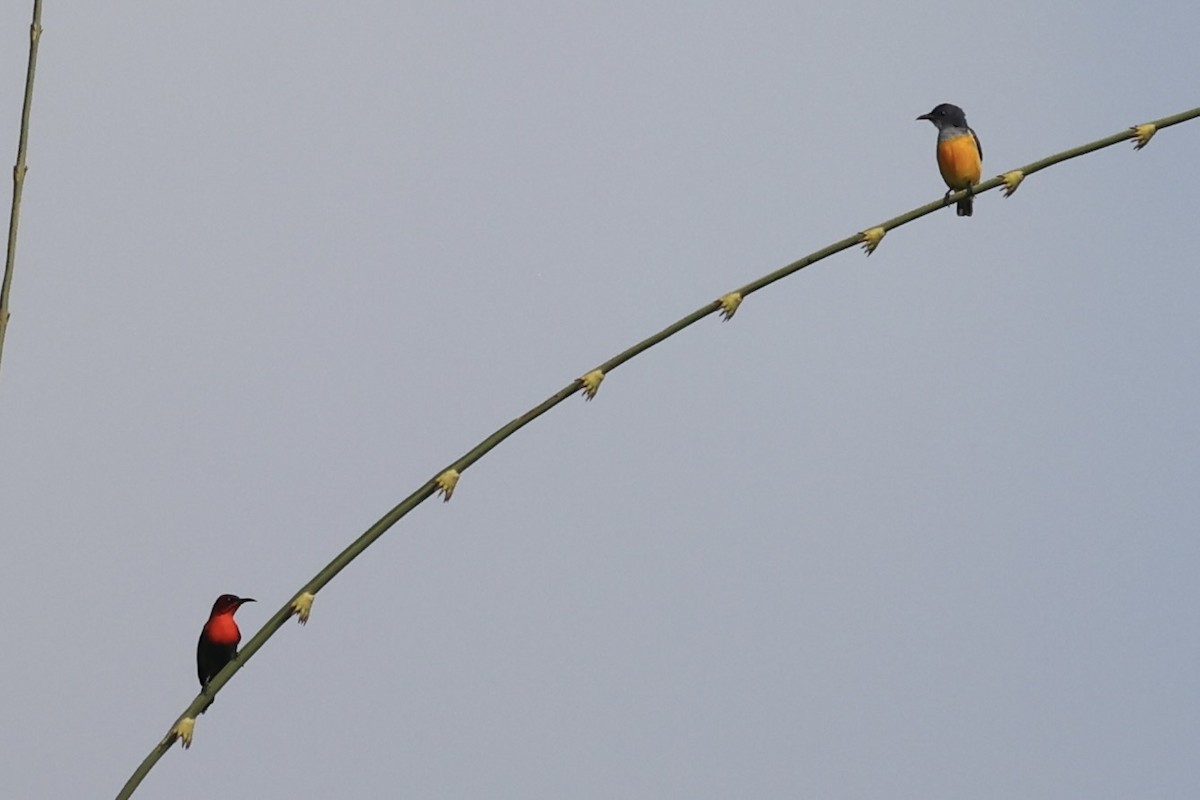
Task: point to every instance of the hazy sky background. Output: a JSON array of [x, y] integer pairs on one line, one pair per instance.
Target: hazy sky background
[[921, 525]]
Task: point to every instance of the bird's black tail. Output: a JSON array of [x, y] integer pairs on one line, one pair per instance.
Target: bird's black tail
[[966, 206]]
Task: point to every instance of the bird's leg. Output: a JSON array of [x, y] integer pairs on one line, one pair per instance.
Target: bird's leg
[[946, 199]]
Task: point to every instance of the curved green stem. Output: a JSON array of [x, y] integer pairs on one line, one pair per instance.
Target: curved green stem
[[430, 488]]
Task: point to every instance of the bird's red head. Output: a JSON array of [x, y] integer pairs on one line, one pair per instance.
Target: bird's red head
[[229, 603]]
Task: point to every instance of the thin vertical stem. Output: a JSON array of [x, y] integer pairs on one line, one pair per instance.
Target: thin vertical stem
[[14, 218]]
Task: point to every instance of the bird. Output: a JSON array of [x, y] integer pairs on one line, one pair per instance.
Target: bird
[[219, 638], [959, 154]]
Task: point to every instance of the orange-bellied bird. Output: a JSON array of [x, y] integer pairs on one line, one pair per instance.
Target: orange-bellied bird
[[219, 638], [959, 154]]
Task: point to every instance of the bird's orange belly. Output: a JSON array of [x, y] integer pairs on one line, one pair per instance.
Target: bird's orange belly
[[958, 159]]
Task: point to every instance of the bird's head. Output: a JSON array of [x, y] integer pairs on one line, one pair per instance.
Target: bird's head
[[229, 603], [946, 115]]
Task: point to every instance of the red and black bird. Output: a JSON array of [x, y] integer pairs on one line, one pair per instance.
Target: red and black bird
[[219, 638]]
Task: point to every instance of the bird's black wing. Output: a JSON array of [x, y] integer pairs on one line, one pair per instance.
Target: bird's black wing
[[211, 658]]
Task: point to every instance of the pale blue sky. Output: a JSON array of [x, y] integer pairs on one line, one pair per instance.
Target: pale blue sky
[[915, 526]]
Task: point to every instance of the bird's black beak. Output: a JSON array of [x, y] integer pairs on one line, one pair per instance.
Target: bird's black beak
[[926, 116], [249, 600]]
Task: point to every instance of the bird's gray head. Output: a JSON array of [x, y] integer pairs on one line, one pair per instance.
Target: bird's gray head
[[946, 115]]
